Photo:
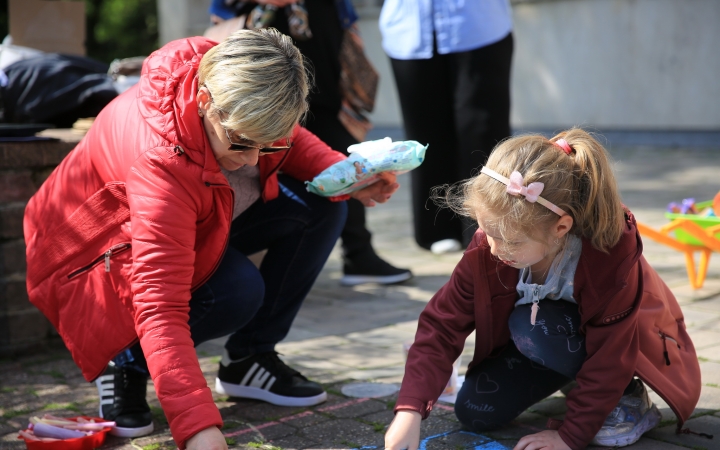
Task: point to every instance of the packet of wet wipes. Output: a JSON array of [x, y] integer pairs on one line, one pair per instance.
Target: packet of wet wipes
[[366, 161]]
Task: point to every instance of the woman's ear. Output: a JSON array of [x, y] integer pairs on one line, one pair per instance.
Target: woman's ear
[[203, 99], [562, 226]]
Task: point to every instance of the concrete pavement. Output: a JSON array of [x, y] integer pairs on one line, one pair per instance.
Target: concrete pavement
[[356, 334]]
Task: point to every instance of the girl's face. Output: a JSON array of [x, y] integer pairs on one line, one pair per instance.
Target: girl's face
[[519, 250]]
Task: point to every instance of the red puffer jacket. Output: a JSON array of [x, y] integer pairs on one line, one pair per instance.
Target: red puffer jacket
[[134, 219], [632, 323]]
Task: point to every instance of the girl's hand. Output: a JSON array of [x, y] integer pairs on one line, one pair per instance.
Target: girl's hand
[[404, 431], [546, 440], [379, 192], [207, 439]]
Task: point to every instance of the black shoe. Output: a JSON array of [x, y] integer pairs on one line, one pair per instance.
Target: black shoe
[[265, 377], [122, 400], [368, 267]]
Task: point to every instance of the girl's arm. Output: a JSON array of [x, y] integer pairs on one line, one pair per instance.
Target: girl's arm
[[443, 327]]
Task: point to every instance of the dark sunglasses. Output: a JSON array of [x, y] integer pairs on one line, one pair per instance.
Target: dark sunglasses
[[235, 147]]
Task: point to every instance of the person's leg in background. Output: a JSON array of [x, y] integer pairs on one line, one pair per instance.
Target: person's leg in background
[[425, 90], [360, 262], [481, 93], [299, 230]]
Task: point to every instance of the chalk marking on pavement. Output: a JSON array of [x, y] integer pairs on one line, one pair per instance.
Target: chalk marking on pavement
[[489, 445], [268, 424], [342, 405], [445, 407]]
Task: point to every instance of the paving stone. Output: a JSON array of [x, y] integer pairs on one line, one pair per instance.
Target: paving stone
[[293, 442], [710, 353], [704, 338], [343, 433], [710, 372], [705, 424], [353, 409], [550, 407]]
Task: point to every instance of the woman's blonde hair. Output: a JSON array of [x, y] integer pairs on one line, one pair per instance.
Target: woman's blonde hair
[[259, 83], [581, 183]]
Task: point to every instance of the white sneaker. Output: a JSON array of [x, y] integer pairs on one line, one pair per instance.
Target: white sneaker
[[634, 415], [445, 246]]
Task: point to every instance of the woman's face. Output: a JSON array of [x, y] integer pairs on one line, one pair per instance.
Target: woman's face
[[218, 137]]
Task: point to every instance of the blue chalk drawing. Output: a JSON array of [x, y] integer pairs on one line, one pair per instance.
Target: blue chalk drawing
[[480, 443]]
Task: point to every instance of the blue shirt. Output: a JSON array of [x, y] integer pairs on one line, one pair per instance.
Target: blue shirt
[[407, 26]]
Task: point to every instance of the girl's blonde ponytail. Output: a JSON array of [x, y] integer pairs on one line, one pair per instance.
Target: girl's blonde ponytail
[[596, 206]]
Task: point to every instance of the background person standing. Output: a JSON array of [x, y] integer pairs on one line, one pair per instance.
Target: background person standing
[[451, 61], [319, 38]]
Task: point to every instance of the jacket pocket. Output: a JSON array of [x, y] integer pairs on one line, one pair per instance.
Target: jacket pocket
[[672, 341], [105, 258]]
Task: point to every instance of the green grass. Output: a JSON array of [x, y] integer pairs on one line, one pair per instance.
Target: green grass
[[262, 445], [158, 415], [66, 406], [350, 444], [391, 404], [154, 446], [378, 427], [7, 390], [333, 391], [15, 413], [230, 441]]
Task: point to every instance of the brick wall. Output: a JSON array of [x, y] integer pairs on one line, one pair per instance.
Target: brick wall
[[23, 168]]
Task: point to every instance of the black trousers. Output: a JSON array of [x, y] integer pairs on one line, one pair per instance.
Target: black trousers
[[459, 104], [356, 238], [541, 359]]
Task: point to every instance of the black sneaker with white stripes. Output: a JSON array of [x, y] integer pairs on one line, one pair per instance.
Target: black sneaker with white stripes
[[264, 376], [122, 400]]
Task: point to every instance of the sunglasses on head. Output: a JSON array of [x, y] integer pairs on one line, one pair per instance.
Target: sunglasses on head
[[236, 147]]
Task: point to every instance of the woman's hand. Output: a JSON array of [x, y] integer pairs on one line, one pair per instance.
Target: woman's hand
[[207, 439], [404, 431], [379, 192], [546, 440]]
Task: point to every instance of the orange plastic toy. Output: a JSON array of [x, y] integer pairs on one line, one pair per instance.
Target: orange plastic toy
[[690, 233]]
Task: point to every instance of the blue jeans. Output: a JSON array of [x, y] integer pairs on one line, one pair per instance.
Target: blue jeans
[[256, 307]]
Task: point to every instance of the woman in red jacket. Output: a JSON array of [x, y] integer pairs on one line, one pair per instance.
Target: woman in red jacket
[[557, 289], [137, 243]]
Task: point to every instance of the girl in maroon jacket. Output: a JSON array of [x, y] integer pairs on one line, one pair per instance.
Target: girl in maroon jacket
[[556, 288]]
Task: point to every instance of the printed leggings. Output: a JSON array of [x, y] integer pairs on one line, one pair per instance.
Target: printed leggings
[[541, 359]]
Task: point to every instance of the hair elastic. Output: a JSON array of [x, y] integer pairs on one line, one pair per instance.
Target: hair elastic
[[564, 146], [531, 192]]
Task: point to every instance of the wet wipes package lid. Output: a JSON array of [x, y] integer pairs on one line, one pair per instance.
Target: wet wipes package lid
[[366, 161]]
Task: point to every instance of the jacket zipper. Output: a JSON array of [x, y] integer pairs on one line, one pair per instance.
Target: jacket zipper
[[664, 338], [114, 250], [535, 305]]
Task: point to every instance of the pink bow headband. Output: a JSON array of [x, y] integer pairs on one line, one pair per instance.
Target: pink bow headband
[[515, 186]]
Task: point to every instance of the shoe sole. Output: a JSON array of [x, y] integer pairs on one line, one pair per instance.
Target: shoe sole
[[649, 421], [234, 390], [130, 432], [354, 280]]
